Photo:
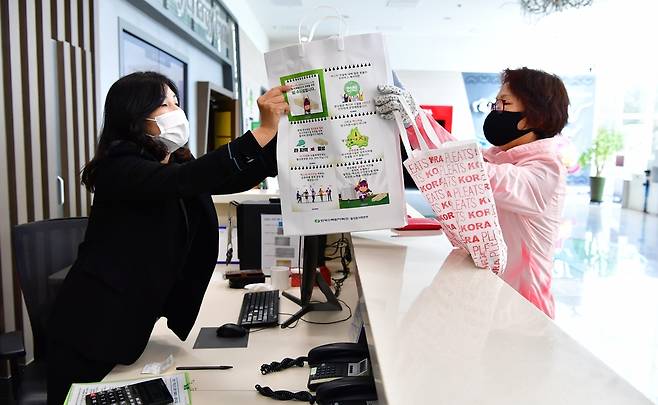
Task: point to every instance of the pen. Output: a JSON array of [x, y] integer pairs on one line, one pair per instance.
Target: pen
[[204, 367]]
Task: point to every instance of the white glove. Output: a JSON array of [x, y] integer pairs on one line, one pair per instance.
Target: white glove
[[388, 101]]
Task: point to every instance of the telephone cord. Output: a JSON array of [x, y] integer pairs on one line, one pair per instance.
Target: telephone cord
[[284, 364], [282, 395]]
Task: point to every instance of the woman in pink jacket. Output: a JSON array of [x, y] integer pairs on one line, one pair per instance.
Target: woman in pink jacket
[[526, 174]]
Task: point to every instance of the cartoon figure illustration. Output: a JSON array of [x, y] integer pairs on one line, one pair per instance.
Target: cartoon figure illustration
[[328, 191], [299, 197], [321, 194], [346, 98], [307, 105], [306, 195], [356, 138], [362, 189], [360, 96], [312, 195]]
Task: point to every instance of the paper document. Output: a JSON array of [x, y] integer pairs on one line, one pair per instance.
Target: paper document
[[177, 384], [276, 249]]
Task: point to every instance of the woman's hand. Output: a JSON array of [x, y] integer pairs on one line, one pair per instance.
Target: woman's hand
[[271, 105], [389, 101]]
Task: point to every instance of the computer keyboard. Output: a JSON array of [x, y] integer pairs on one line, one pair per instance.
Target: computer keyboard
[[260, 309]]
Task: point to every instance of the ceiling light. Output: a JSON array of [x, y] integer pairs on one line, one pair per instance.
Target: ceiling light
[[550, 6], [291, 28], [402, 3], [287, 3], [388, 28]]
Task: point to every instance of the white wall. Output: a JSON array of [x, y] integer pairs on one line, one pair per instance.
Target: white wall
[[441, 88], [254, 76], [248, 23], [200, 66]]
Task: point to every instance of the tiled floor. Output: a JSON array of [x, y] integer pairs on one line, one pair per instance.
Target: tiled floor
[[605, 283]]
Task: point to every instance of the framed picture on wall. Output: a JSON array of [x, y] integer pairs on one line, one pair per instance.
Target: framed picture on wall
[[138, 53]]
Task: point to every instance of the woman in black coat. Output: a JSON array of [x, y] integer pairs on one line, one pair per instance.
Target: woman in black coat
[[151, 243]]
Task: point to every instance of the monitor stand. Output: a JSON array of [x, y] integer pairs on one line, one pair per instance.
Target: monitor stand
[[309, 277]]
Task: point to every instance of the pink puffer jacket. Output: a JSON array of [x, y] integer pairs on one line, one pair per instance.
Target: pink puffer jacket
[[529, 185]]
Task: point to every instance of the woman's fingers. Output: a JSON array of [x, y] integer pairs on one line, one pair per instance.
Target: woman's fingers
[[388, 107], [275, 92], [389, 89], [381, 100], [388, 116], [272, 106], [277, 99]]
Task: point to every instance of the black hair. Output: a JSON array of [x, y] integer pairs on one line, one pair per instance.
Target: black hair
[[130, 100], [544, 98]]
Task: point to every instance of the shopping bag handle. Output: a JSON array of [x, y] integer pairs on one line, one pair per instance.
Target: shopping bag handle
[[429, 129], [403, 132], [342, 29]]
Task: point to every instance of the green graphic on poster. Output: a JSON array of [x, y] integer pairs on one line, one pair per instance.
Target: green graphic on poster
[[307, 98], [356, 138]]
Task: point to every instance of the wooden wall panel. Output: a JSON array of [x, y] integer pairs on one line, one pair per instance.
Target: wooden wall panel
[[89, 111], [6, 314], [48, 123], [66, 142], [19, 204], [31, 117], [78, 126]]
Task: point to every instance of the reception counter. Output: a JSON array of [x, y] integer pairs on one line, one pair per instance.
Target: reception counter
[[441, 331]]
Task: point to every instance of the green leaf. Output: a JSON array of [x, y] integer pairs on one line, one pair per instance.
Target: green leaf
[[606, 143]]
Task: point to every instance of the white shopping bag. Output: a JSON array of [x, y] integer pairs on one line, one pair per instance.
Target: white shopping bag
[[453, 179], [339, 163]]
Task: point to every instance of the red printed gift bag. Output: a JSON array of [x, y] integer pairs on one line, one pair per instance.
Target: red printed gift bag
[[454, 181]]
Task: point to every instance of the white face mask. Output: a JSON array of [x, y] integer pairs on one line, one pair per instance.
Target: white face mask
[[174, 129]]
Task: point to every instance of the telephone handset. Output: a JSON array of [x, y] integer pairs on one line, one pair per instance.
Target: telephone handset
[[337, 360], [341, 374], [347, 391]]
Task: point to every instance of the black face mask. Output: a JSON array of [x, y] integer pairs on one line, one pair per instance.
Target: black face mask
[[501, 128]]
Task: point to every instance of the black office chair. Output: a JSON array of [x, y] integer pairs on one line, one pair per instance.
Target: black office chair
[[43, 252]]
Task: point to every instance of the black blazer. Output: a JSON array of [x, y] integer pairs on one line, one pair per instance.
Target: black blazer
[[150, 247]]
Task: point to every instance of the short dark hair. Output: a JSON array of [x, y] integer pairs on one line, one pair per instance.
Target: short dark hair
[[544, 97], [129, 102]]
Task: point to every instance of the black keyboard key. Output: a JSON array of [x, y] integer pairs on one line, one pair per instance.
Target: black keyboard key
[[259, 309]]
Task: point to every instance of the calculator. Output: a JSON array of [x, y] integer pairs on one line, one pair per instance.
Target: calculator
[[152, 392]]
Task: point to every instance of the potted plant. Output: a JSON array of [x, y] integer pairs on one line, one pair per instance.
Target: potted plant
[[606, 143]]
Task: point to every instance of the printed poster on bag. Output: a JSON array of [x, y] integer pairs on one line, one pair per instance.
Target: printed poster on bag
[[455, 183], [339, 163]]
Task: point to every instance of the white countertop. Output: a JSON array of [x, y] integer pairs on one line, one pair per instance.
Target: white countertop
[[443, 332], [236, 386]]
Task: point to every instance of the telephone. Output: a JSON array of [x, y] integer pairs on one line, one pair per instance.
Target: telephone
[[337, 360], [341, 374], [347, 391]]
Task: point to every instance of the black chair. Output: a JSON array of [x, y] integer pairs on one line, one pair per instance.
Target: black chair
[[43, 253]]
